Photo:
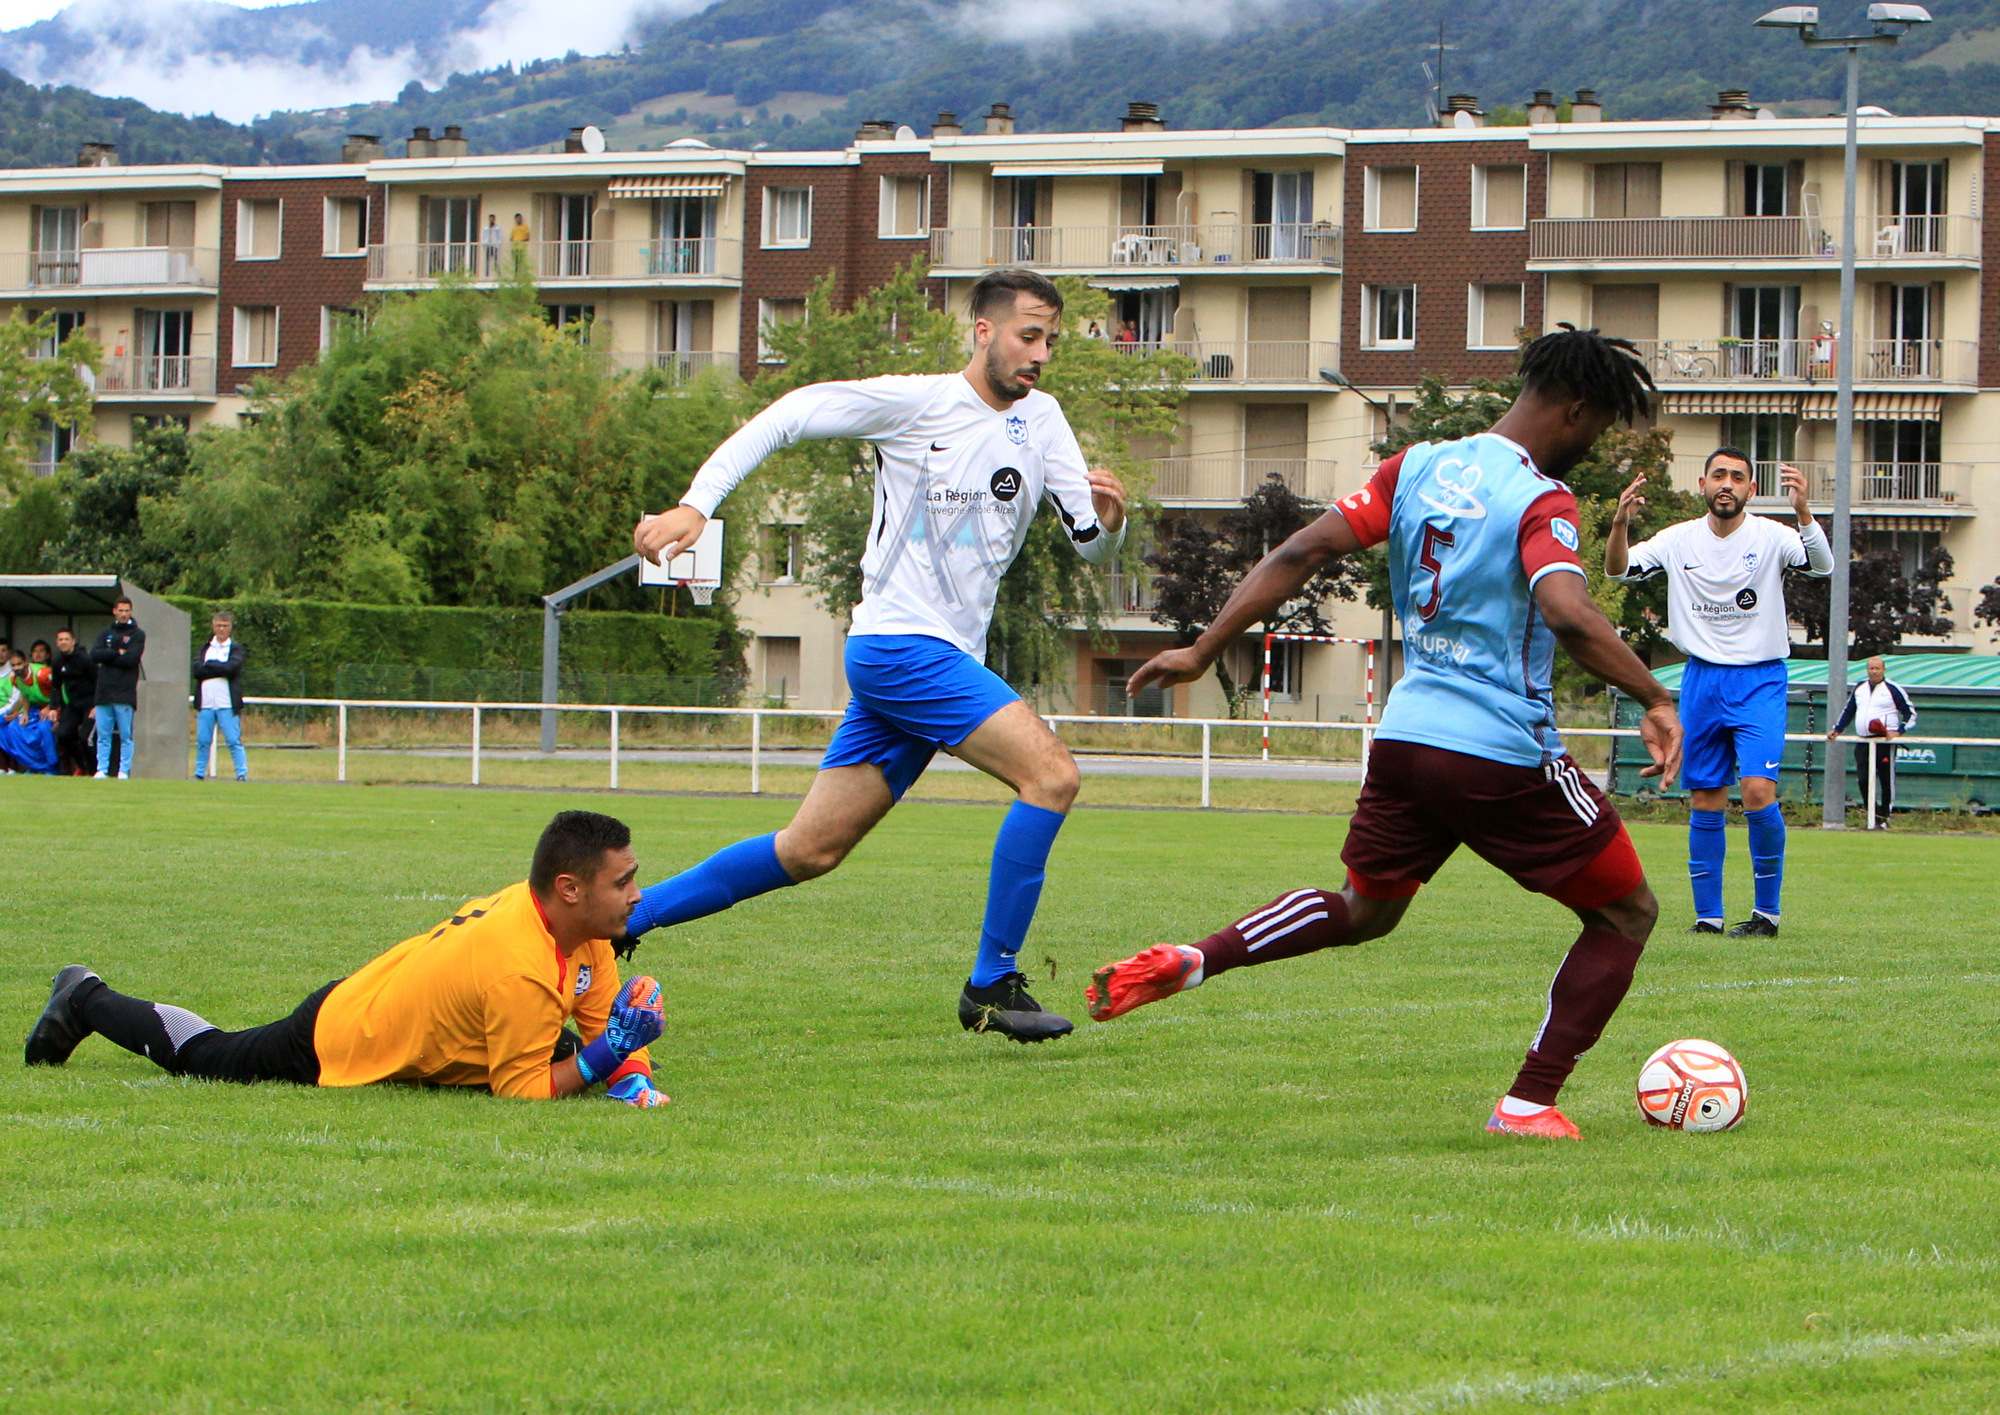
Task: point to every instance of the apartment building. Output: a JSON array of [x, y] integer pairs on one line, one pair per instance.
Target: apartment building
[[1311, 275]]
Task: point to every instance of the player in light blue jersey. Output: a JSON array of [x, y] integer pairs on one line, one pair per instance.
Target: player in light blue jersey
[[1483, 559]]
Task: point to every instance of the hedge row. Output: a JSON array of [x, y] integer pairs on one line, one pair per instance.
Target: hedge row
[[315, 638]]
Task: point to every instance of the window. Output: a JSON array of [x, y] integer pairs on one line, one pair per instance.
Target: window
[[1493, 316], [1624, 189], [573, 320], [167, 223], [66, 322], [1769, 438], [1389, 199], [1626, 311], [259, 226], [1389, 316], [1280, 212], [1288, 671], [336, 322], [781, 668], [771, 314], [1766, 189], [346, 225], [256, 341], [778, 558], [1499, 197], [906, 207], [788, 216]]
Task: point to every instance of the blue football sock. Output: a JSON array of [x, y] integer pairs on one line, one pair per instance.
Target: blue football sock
[[1020, 862], [728, 877], [1767, 856], [1708, 847]]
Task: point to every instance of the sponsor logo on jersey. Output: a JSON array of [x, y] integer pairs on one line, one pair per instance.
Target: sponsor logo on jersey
[[1455, 494], [1442, 646], [1017, 430], [1564, 533], [583, 980], [1006, 483], [1746, 598]]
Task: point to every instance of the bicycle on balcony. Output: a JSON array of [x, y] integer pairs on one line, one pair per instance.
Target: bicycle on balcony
[[1672, 363]]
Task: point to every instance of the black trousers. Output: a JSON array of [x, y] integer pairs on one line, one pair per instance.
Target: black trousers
[[1884, 752], [76, 736], [276, 1051]]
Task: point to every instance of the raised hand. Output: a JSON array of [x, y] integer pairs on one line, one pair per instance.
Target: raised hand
[[660, 538], [1794, 483], [1631, 501]]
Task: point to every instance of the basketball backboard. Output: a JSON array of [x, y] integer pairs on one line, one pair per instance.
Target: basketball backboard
[[699, 567]]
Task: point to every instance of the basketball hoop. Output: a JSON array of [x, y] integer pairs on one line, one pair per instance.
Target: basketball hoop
[[703, 594], [698, 569]]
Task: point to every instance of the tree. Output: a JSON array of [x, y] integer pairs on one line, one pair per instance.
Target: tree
[[1197, 567], [38, 392], [1987, 611], [1883, 604], [108, 498]]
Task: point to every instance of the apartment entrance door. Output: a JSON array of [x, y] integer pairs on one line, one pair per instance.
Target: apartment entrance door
[[1280, 209], [574, 217], [57, 229], [451, 234], [1916, 199], [1767, 328]]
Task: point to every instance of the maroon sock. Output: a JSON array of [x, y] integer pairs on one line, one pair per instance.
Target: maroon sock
[[1587, 990], [1303, 921]]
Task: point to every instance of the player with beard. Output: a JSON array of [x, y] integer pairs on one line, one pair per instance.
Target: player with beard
[[1482, 545], [1726, 611], [962, 462]]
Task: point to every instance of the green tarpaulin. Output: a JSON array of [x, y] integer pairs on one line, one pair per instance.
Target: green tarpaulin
[[1910, 670]]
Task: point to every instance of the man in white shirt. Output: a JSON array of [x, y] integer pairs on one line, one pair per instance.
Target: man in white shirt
[[1880, 712], [491, 238], [219, 697], [1726, 611], [962, 463]]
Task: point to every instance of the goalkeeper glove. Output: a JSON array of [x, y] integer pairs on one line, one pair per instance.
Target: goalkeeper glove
[[636, 1090], [636, 1021]]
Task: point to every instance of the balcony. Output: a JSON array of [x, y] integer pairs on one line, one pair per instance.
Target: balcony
[[1226, 246], [1225, 479], [134, 268], [1684, 363], [1243, 363], [1935, 488], [704, 260], [679, 364], [1130, 594], [1727, 241], [164, 378]]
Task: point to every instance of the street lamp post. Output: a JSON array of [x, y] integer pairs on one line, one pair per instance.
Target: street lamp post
[[1889, 22], [1340, 380]]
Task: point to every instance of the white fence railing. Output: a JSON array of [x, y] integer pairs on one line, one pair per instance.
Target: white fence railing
[[110, 267], [663, 259]]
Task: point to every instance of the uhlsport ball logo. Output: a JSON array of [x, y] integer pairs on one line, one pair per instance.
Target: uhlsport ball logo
[[1692, 1085]]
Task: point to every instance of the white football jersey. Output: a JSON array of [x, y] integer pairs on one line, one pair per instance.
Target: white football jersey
[[956, 487], [1726, 594]]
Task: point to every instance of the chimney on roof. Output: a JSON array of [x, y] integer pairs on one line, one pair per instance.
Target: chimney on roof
[[947, 125], [421, 144], [876, 130], [97, 154], [1142, 118], [1585, 108], [363, 147], [1542, 107], [1461, 110], [1732, 105], [574, 142], [453, 143], [999, 119]]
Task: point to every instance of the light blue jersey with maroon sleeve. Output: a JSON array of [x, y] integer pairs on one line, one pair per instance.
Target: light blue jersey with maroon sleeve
[[1471, 528]]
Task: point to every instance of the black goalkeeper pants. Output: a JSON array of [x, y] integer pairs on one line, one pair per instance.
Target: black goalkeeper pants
[[179, 1041]]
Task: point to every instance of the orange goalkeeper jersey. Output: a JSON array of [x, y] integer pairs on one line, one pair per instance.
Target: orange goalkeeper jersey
[[477, 1001]]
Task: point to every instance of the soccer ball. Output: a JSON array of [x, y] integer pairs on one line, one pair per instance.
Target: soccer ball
[[1692, 1085]]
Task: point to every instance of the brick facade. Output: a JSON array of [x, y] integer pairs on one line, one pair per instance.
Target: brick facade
[[1442, 258], [301, 281]]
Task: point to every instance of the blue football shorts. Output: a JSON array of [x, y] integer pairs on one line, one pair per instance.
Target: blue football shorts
[[911, 695], [1734, 718]]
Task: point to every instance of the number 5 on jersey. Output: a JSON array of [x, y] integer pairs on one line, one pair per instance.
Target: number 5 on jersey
[[1435, 537]]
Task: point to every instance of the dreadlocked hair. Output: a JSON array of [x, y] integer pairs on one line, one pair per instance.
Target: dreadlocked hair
[[1581, 363]]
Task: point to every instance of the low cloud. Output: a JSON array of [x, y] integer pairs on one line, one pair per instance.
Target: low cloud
[[1057, 19]]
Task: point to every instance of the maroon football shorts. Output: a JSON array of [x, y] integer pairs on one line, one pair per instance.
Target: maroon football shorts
[[1548, 827]]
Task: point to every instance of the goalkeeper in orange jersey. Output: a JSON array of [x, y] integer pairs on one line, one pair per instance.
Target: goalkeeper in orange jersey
[[481, 1000]]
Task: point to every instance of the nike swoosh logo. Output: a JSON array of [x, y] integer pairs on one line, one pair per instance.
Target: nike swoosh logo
[[936, 448], [1770, 766]]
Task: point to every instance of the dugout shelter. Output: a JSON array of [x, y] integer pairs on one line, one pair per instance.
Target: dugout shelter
[[1955, 695], [36, 606]]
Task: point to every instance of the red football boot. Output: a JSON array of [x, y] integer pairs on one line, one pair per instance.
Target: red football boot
[[1550, 1124], [1161, 971]]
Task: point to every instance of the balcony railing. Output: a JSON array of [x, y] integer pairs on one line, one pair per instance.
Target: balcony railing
[[41, 469], [1780, 238], [1225, 478], [164, 376], [1096, 247], [1808, 361], [1930, 484], [557, 262], [1241, 361], [679, 363], [1130, 594], [130, 267]]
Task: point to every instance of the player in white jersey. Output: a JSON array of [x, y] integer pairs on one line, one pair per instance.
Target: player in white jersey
[[1726, 611], [962, 462]]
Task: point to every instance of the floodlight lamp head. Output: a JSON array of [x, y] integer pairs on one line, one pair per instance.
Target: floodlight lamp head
[[1335, 377], [1898, 15], [1790, 17]]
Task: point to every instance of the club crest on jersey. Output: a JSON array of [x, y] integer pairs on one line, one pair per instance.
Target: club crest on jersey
[[583, 980], [1564, 532], [1017, 430], [1455, 497], [1749, 562]]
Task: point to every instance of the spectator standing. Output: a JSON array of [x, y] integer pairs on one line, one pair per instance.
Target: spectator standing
[[117, 653], [1882, 712], [75, 696], [491, 239], [218, 677], [519, 238]]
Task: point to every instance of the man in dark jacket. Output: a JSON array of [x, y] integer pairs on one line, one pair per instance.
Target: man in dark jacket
[[218, 676], [117, 653], [75, 696]]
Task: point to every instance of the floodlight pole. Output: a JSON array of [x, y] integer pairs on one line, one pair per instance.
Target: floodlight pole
[[552, 608]]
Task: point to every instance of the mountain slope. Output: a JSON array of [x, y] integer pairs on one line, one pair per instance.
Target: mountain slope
[[43, 127]]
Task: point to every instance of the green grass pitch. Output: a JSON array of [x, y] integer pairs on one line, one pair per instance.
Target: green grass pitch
[[1271, 1195]]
